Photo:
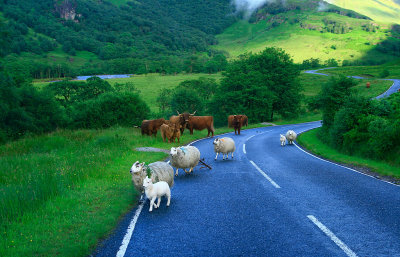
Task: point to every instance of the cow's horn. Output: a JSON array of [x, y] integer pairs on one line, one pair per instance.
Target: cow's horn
[[193, 113], [178, 112]]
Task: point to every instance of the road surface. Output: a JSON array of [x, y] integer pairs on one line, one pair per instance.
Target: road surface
[[267, 201]]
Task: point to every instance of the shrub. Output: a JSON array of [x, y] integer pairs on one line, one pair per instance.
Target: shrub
[[110, 109]]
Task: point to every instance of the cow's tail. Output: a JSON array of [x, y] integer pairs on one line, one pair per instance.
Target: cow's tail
[[212, 125]]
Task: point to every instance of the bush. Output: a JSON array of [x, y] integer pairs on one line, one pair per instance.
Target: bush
[[110, 109], [383, 74]]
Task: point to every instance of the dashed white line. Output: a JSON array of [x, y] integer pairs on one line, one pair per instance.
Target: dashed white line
[[265, 175], [244, 148], [128, 235], [332, 236]]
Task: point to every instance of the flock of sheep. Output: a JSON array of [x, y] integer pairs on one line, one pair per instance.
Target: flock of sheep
[[156, 179]]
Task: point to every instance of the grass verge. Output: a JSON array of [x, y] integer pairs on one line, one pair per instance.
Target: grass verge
[[310, 141], [63, 192]]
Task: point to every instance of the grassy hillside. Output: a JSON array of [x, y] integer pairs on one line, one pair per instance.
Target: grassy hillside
[[303, 35], [387, 11]]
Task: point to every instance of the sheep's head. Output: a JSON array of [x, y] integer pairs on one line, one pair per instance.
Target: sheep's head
[[282, 136], [174, 151], [217, 142], [290, 132], [137, 168], [147, 182]]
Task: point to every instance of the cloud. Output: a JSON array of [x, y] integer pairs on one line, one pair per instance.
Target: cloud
[[249, 6]]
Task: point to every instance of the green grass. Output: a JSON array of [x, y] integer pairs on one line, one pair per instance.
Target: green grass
[[367, 71], [151, 84], [302, 43], [311, 142], [63, 192], [387, 11]]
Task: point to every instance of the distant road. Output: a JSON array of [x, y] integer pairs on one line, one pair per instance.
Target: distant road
[[268, 201], [393, 89]]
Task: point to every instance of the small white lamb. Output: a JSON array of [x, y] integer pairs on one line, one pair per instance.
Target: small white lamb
[[291, 136], [283, 140], [224, 145], [153, 191]]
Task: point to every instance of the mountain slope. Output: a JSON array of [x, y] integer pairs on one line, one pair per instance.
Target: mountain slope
[[312, 31], [387, 11]]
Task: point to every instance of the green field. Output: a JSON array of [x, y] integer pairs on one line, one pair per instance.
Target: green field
[[387, 11], [150, 85], [311, 142], [303, 43], [367, 71]]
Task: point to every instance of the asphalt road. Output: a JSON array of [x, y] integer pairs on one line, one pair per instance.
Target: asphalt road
[[267, 201]]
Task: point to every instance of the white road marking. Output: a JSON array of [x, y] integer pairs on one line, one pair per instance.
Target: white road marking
[[332, 236], [244, 148], [128, 235], [342, 165], [265, 175], [251, 137]]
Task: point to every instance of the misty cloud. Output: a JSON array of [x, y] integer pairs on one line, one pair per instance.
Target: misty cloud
[[249, 6]]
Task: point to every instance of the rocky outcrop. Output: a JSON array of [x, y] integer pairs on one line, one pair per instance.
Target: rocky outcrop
[[66, 9]]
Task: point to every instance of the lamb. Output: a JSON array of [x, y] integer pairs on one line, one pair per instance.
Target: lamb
[[283, 140], [153, 191], [184, 157], [160, 171], [224, 145], [291, 136]]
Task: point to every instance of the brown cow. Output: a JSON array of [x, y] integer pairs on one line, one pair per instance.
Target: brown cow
[[150, 127], [245, 120], [237, 123], [167, 132], [176, 130], [179, 119], [200, 123]]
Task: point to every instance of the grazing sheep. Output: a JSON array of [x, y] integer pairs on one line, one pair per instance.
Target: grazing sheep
[[291, 136], [160, 171], [153, 191], [283, 140], [224, 145], [184, 157]]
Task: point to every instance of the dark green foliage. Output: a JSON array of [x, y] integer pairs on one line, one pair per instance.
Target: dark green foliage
[[258, 85], [385, 73], [147, 31], [24, 110], [110, 109], [357, 125], [186, 100]]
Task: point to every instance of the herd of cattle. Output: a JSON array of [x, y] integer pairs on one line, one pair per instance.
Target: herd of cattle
[[174, 127]]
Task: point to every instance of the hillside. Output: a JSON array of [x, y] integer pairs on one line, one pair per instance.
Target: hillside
[[306, 29], [387, 11], [93, 36]]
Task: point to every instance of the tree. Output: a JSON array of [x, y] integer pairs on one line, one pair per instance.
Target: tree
[[259, 85]]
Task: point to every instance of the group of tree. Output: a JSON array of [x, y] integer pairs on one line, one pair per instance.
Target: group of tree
[[258, 85], [144, 30], [92, 104], [357, 125]]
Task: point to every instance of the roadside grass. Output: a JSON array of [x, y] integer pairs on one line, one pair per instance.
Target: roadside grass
[[310, 141], [63, 192], [367, 71]]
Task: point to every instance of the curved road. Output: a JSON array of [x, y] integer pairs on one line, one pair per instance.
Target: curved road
[[268, 201]]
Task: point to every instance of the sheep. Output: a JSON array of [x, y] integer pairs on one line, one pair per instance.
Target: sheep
[[153, 191], [160, 171], [184, 157], [291, 136], [224, 145], [283, 140]]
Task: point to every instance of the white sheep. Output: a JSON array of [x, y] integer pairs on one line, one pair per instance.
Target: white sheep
[[160, 171], [157, 190], [283, 140], [291, 136], [184, 157], [224, 145]]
